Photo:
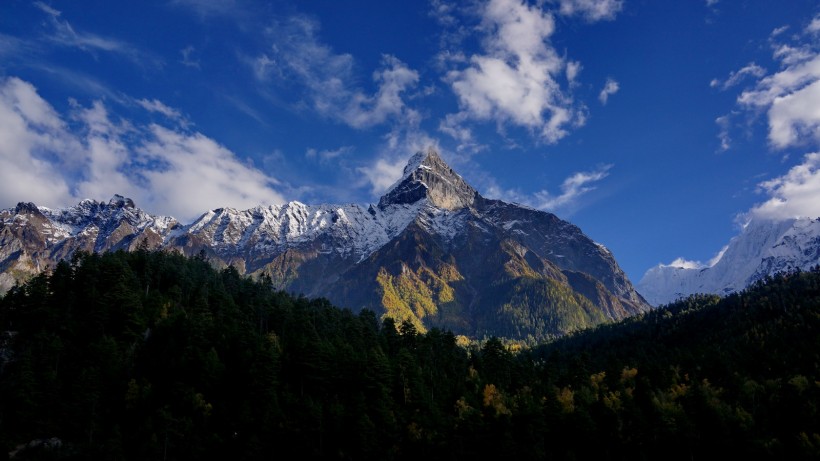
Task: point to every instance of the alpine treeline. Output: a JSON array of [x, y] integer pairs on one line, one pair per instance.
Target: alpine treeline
[[152, 355]]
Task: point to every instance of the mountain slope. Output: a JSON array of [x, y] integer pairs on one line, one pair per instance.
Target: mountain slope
[[433, 252], [764, 248]]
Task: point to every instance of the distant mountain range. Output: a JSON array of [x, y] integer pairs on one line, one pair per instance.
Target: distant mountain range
[[762, 249], [433, 252]]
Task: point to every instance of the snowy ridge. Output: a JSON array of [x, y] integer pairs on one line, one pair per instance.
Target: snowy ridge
[[762, 249], [355, 231], [90, 215]]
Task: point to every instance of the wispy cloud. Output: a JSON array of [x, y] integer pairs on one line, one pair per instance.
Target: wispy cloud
[[188, 57], [515, 79], [572, 189], [299, 57], [63, 34], [158, 106], [610, 87], [326, 155], [752, 70], [723, 122], [591, 10], [97, 156], [211, 8]]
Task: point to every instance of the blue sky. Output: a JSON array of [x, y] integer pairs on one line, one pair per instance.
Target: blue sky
[[656, 127]]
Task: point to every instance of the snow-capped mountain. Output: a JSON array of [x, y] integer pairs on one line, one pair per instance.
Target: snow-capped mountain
[[763, 248], [433, 251]]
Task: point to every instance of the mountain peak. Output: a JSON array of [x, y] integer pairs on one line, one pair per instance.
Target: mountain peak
[[118, 201], [427, 175]]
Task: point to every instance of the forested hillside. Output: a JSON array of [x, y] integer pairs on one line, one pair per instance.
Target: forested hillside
[[152, 355]]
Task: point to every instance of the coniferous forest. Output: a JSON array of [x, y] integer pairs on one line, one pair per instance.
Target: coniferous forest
[[152, 355]]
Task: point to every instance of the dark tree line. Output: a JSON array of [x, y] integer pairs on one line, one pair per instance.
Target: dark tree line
[[152, 355]]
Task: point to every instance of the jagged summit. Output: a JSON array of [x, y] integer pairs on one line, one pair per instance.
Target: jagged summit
[[121, 202], [427, 175]]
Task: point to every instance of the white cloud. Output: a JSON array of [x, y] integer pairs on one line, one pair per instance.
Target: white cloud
[[572, 189], [383, 173], [611, 87], [795, 117], [65, 35], [514, 81], [795, 194], [685, 264], [751, 70], [573, 69], [194, 162], [165, 170], [779, 30], [188, 58], [723, 123], [393, 79], [210, 8], [789, 96], [158, 106], [814, 26], [711, 3], [399, 145], [591, 10], [33, 141], [329, 79], [326, 155]]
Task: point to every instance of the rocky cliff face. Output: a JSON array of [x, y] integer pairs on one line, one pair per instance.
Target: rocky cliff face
[[433, 252]]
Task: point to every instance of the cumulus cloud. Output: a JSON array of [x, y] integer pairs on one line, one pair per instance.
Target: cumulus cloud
[[790, 97], [164, 169], [383, 173], [795, 194], [814, 26], [34, 145], [610, 87], [514, 80], [591, 10], [298, 55]]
